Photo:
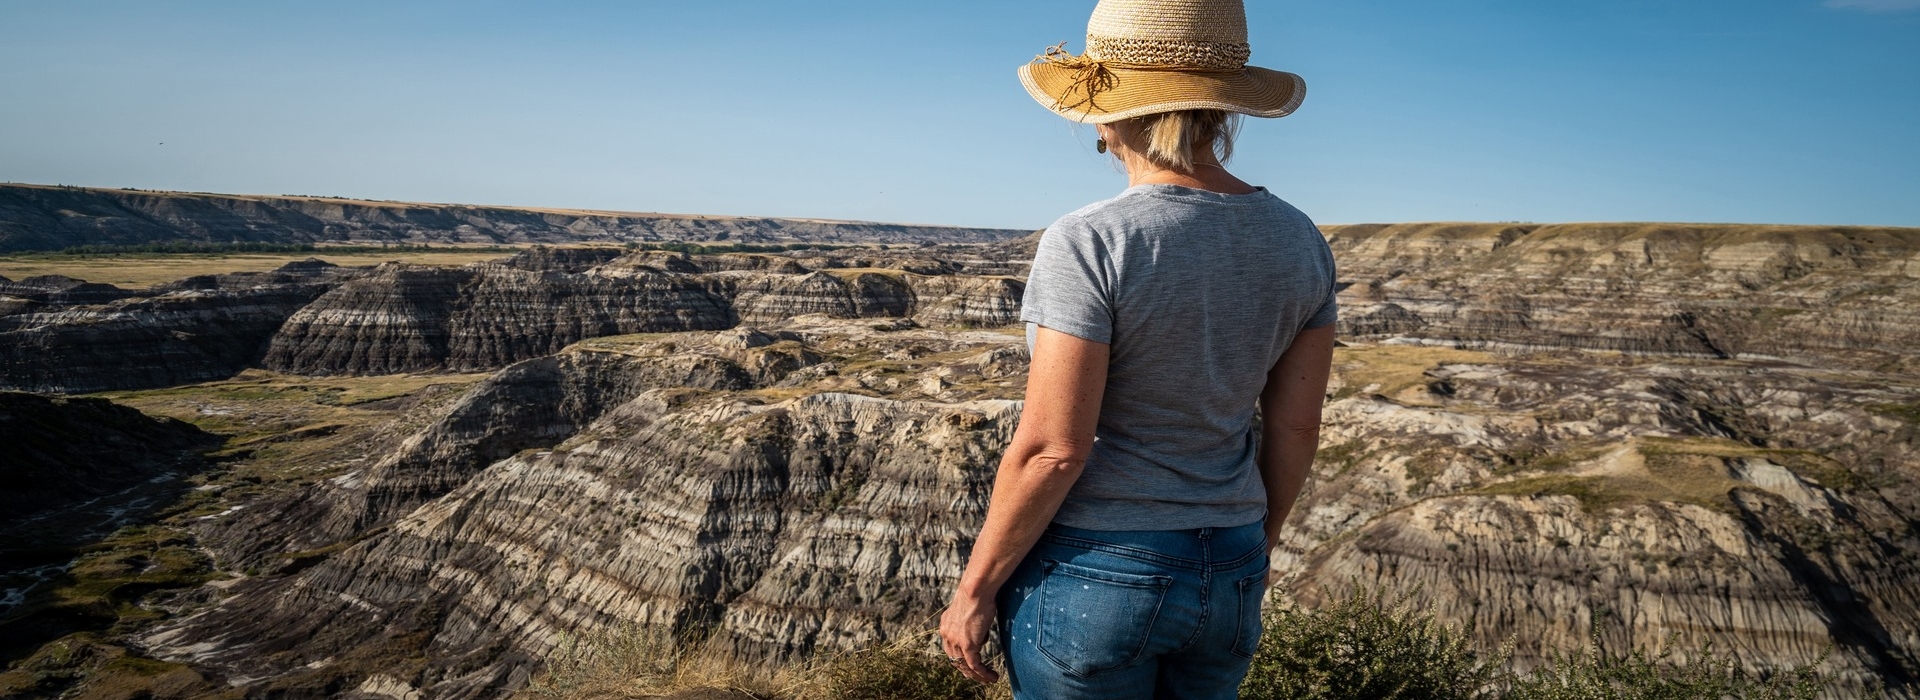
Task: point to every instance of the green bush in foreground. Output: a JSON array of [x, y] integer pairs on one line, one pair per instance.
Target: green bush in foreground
[[902, 670], [1365, 646]]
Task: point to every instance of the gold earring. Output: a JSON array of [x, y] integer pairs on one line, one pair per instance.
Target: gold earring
[[1100, 145]]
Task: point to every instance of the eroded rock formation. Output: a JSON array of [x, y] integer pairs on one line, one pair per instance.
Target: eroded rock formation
[[40, 217], [1827, 296], [1597, 444], [194, 330]]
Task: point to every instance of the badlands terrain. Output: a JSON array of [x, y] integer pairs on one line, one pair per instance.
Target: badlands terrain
[[48, 217], [407, 480]]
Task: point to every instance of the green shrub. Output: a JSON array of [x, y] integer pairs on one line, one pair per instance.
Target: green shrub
[[902, 670], [1366, 646], [1639, 675]]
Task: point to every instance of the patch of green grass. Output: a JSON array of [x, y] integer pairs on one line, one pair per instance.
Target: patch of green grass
[[1591, 491], [1907, 412], [1542, 459], [1343, 457]]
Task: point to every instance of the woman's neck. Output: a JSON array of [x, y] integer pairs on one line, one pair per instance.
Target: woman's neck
[[1206, 174]]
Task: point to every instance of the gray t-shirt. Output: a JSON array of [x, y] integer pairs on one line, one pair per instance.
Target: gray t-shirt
[[1197, 294]]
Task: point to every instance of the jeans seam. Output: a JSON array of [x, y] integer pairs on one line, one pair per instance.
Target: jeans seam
[[1124, 551], [1240, 629]]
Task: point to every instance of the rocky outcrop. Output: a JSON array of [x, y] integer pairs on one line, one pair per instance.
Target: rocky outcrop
[[39, 217], [713, 506], [505, 315], [1817, 295], [401, 317], [393, 320], [195, 330], [404, 319], [1553, 500], [534, 403]]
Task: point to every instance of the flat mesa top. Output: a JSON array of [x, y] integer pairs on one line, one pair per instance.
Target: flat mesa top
[[395, 204]]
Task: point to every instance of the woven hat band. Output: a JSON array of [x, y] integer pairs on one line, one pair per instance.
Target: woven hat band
[[1160, 52]]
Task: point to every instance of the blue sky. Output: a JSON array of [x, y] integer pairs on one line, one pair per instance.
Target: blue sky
[[1763, 111]]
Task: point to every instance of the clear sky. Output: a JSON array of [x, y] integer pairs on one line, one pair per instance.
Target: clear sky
[[1765, 111]]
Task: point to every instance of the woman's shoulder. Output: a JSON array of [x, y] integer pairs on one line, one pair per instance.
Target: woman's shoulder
[[1110, 216]]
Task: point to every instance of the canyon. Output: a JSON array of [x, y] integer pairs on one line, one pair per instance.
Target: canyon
[[431, 477]]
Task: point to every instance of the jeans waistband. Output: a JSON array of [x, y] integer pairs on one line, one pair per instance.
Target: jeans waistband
[[1204, 549]]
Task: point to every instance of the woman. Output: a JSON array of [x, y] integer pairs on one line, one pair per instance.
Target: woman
[[1124, 553]]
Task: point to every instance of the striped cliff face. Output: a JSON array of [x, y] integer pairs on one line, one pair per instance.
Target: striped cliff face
[[1554, 433]]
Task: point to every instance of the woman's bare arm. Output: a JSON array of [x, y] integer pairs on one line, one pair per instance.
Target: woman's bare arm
[[1065, 384], [1290, 421]]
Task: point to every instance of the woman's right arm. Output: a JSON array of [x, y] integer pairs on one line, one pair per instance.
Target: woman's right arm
[[1290, 421]]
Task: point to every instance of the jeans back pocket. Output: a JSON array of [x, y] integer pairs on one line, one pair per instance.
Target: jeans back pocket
[[1252, 590], [1093, 620]]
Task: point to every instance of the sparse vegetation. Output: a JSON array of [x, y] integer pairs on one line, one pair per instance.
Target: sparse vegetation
[[1908, 412], [1388, 370], [1364, 645], [718, 248], [640, 662], [1642, 675], [1592, 491], [142, 269]]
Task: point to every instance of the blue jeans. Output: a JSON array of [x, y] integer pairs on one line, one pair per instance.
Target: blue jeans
[[1158, 614]]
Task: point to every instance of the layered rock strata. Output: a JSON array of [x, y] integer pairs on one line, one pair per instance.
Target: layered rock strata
[[1816, 295], [39, 217], [801, 484], [1546, 498], [485, 316], [194, 330], [1766, 508], [712, 505]]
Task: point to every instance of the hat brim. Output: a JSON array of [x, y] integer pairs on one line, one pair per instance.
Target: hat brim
[[1257, 92]]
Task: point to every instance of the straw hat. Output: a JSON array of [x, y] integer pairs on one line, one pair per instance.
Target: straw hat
[[1148, 56]]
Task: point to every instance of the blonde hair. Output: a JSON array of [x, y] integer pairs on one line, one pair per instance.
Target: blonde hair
[[1169, 139]]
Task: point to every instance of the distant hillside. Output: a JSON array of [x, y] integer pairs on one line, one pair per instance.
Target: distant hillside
[[43, 217]]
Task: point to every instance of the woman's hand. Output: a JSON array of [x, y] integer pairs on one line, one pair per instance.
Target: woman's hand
[[963, 630]]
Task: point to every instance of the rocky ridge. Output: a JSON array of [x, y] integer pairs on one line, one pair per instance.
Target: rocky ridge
[[1818, 295], [314, 318], [43, 217]]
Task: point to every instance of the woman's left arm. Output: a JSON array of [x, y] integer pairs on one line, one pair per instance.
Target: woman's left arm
[[1067, 378]]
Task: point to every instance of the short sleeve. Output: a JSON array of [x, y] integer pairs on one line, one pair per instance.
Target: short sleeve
[[1328, 313], [1069, 287]]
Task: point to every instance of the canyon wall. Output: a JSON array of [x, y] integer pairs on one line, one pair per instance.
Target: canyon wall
[[1622, 433], [1828, 296], [43, 217]]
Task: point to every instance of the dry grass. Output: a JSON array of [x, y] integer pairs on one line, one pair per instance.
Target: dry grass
[[632, 662], [641, 662], [1672, 470], [139, 270], [1392, 369]]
